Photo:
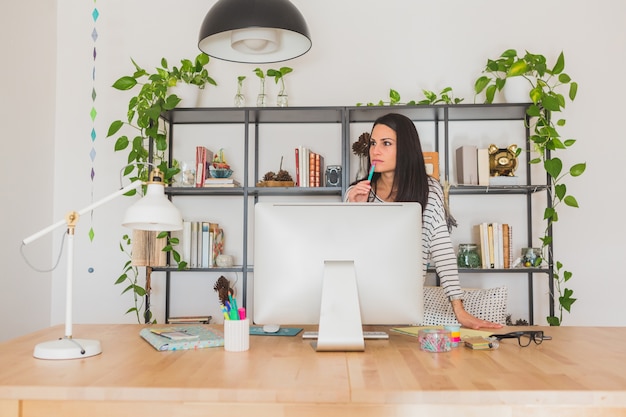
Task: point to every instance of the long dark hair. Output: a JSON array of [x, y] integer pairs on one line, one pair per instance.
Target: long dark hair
[[410, 178]]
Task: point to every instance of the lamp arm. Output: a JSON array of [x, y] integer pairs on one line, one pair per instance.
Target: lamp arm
[[132, 186]]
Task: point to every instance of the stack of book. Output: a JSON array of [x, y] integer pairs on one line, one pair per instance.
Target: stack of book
[[201, 243], [190, 320], [309, 168], [496, 245], [221, 182], [203, 161]]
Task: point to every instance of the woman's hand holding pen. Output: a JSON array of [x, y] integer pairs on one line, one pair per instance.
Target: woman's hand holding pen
[[360, 192]]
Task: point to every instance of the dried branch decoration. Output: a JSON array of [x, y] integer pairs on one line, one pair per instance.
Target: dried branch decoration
[[362, 146], [222, 287]]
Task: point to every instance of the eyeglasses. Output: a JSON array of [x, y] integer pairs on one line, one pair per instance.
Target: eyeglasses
[[523, 337]]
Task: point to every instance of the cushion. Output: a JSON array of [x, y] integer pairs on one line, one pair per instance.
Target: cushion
[[487, 304]]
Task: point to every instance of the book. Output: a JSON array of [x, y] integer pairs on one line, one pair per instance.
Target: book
[[220, 181], [506, 245], [234, 185], [319, 169], [431, 159], [467, 165], [482, 160], [217, 243], [465, 333], [204, 157], [205, 245], [207, 337], [193, 245], [186, 242], [312, 169], [496, 241], [174, 334], [147, 250], [484, 244], [491, 248], [190, 320], [297, 154]]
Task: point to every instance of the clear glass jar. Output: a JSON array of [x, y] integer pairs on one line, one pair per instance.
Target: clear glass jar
[[468, 256], [240, 100]]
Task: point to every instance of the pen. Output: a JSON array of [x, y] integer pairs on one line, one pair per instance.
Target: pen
[[371, 174], [234, 314]]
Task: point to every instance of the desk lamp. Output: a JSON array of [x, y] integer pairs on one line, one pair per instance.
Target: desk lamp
[[153, 212]]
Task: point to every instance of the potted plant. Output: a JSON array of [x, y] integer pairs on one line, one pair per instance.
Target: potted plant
[[279, 75], [261, 100], [240, 99], [544, 84], [189, 79], [446, 96], [154, 96], [145, 108]]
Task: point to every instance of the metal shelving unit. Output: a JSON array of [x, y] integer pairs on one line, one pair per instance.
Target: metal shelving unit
[[252, 118]]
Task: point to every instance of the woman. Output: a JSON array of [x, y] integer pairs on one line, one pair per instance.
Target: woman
[[400, 175]]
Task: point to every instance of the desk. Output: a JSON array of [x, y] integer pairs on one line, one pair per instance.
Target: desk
[[579, 372]]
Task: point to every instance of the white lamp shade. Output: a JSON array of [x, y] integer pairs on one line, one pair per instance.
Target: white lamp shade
[[153, 212]]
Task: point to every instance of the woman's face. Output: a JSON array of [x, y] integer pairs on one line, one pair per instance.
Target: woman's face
[[383, 147]]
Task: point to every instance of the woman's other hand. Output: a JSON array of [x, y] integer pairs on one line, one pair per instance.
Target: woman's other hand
[[469, 321]]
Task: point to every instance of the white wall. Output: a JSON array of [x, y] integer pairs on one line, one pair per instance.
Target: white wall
[[360, 50], [27, 106]]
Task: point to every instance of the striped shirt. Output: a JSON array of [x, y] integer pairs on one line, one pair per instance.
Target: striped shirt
[[436, 243]]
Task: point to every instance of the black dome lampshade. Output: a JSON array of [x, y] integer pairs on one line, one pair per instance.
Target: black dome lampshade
[[254, 31]]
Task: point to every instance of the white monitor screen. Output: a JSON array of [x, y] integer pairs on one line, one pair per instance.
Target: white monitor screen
[[293, 241]]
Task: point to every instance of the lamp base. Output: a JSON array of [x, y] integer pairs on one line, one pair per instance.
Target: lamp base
[[67, 348]]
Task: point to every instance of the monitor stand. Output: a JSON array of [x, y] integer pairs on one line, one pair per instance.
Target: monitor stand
[[340, 326]]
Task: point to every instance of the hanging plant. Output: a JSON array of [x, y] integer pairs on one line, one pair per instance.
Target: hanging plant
[[143, 115], [544, 86]]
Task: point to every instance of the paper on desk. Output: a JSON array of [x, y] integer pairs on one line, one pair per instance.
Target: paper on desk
[[414, 330]]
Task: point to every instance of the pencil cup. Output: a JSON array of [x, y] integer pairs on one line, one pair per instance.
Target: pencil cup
[[236, 335]]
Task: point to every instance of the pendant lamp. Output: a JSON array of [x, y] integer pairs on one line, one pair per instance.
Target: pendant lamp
[[254, 31]]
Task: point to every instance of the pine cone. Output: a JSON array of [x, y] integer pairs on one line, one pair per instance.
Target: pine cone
[[270, 176], [283, 176]]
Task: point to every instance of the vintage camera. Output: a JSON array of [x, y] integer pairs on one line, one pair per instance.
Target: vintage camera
[[333, 176]]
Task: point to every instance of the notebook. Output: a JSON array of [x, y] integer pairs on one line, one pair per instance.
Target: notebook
[[206, 337]]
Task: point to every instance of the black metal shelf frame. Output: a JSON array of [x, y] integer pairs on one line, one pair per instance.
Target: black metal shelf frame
[[440, 115]]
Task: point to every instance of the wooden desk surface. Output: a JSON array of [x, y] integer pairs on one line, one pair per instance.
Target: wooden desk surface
[[580, 371]]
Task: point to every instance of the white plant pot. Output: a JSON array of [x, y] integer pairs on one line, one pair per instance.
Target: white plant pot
[[187, 93], [517, 90]]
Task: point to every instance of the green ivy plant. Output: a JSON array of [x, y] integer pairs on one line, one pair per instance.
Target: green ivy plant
[[130, 276], [143, 116], [259, 73], [544, 85], [279, 75], [446, 96], [145, 109]]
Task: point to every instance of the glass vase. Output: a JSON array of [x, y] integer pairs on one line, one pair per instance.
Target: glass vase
[[261, 100], [240, 100], [282, 100], [363, 168]]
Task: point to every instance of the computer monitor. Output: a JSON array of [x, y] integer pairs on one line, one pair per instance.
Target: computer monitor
[[338, 265]]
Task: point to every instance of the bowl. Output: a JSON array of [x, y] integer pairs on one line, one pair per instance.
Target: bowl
[[221, 172]]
